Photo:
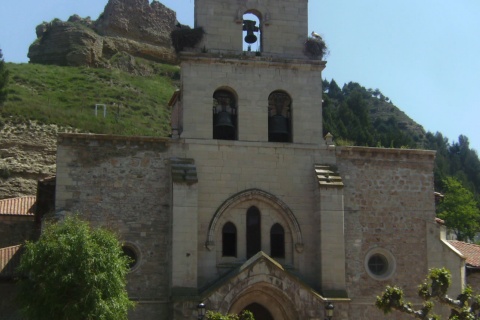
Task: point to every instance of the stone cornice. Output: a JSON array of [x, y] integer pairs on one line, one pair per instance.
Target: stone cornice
[[387, 154], [265, 62], [77, 137]]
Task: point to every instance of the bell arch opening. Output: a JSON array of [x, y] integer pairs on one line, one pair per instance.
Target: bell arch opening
[[252, 31], [279, 117], [225, 114]]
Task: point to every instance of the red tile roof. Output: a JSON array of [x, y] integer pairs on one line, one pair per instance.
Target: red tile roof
[[9, 260], [469, 250], [24, 206]]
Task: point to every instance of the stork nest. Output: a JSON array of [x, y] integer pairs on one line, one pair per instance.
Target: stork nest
[[186, 38], [315, 48]]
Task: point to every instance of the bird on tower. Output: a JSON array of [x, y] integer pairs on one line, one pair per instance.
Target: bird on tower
[[316, 35]]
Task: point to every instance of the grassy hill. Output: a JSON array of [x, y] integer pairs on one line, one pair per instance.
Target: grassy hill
[[66, 96]]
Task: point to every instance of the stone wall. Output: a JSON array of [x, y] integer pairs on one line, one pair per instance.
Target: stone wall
[[15, 230], [123, 184], [389, 199]]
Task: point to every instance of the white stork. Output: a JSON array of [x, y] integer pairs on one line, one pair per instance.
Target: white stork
[[316, 35]]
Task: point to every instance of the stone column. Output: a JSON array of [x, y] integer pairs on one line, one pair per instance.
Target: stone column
[[184, 257], [331, 237]]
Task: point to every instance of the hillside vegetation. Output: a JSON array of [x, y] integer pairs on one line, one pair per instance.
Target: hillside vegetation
[[358, 116], [66, 96]]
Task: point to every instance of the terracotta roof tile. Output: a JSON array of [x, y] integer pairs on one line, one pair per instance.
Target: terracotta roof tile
[[469, 250], [9, 260], [24, 206]]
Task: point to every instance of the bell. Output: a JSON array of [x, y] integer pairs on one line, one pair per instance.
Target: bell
[[223, 127], [278, 129], [249, 26]]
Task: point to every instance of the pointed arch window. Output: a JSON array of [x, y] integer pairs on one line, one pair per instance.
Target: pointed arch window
[[277, 241], [224, 115], [279, 117], [229, 240], [254, 239]]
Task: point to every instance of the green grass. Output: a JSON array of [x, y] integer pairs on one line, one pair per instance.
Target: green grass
[[136, 105]]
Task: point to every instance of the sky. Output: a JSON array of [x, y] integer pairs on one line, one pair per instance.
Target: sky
[[422, 54]]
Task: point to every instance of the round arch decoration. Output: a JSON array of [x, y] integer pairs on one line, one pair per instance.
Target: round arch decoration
[[262, 196]]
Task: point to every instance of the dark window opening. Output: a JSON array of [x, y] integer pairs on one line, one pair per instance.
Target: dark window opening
[[229, 240], [279, 117], [132, 256], [254, 240], [377, 264], [224, 115], [277, 241]]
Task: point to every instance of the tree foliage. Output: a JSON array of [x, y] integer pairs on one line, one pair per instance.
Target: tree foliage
[[459, 210], [347, 116], [433, 289], [3, 79], [74, 272], [245, 315]]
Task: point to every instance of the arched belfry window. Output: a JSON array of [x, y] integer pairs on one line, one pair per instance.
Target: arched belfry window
[[224, 115], [279, 117], [252, 31], [229, 240], [254, 239], [277, 241]]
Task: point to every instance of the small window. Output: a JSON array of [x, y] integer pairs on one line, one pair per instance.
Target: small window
[[229, 240], [254, 242], [132, 255], [377, 264], [277, 241], [380, 263]]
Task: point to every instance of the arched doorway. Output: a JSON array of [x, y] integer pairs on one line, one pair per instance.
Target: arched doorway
[[264, 300], [259, 311]]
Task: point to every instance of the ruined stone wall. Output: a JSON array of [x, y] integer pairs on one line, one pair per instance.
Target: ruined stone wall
[[122, 183], [388, 202]]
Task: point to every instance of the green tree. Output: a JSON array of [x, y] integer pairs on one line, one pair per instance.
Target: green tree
[[245, 315], [434, 289], [459, 210], [3, 79], [74, 272]]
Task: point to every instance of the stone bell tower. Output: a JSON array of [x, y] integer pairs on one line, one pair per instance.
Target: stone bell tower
[[249, 78]]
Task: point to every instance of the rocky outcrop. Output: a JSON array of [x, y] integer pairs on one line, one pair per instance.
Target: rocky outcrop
[[135, 27], [137, 20]]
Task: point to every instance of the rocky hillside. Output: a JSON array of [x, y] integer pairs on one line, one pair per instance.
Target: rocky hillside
[[135, 27]]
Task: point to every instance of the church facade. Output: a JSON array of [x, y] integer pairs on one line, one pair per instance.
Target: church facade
[[247, 205]]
